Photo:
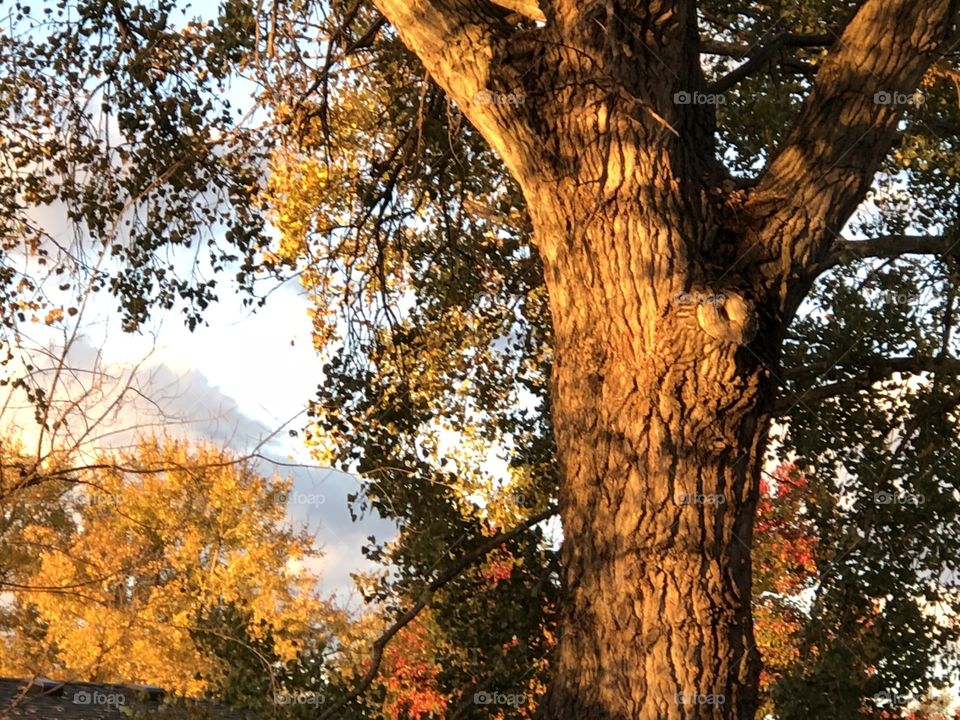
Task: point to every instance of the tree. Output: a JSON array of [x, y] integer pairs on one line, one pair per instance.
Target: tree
[[629, 211], [602, 278], [786, 556], [254, 672], [165, 534], [25, 506], [672, 284]]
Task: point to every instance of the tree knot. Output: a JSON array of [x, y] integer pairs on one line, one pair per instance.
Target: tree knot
[[728, 316]]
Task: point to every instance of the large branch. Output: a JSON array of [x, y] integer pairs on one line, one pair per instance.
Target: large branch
[[888, 246], [460, 43], [760, 57], [825, 165], [742, 50], [529, 9]]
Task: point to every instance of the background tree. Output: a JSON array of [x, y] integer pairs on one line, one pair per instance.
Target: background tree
[[25, 506], [251, 673], [165, 534]]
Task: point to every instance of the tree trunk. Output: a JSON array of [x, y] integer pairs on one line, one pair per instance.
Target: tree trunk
[[670, 290], [660, 402]]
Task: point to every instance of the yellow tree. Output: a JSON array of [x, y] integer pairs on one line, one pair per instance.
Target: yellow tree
[[29, 498], [166, 531]]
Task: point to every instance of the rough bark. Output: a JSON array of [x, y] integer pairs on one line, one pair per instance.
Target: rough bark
[[670, 290], [660, 418]]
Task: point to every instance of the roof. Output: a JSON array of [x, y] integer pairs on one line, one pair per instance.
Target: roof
[[44, 699]]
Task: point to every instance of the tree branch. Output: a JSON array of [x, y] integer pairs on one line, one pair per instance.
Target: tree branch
[[782, 40], [888, 246], [460, 43], [451, 573], [827, 162], [873, 372], [529, 9], [760, 56]]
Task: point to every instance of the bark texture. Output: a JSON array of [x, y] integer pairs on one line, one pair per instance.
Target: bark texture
[[660, 421], [670, 287]]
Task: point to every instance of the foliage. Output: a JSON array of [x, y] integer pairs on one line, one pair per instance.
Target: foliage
[[115, 115], [164, 533], [785, 572], [251, 674], [25, 506]]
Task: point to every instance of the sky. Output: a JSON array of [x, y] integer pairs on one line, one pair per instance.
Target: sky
[[245, 378], [242, 381]]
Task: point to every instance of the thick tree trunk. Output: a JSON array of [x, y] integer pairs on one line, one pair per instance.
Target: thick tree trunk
[[659, 411], [670, 290]]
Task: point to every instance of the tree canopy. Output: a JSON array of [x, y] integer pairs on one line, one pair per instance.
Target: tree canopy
[[147, 547]]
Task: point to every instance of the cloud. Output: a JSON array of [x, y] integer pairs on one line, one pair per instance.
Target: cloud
[[318, 499], [107, 405]]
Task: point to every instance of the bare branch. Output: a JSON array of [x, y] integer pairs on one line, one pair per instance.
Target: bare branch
[[888, 246], [783, 40], [451, 573], [759, 57], [872, 372]]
